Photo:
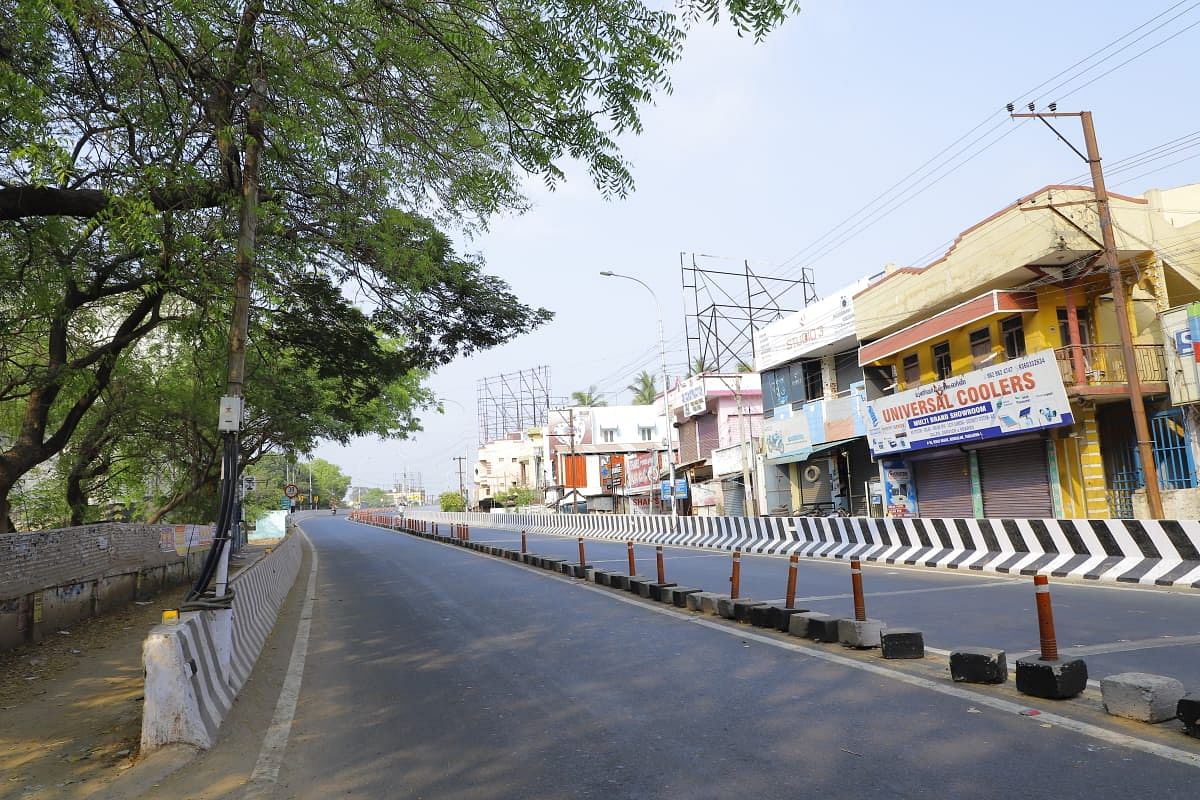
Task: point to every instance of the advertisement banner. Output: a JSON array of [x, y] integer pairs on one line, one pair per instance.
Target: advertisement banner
[[641, 472], [569, 424], [728, 460], [1018, 396], [190, 538], [1182, 369], [786, 437], [819, 325]]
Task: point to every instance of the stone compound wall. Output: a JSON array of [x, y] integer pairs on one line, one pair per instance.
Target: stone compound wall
[[51, 579]]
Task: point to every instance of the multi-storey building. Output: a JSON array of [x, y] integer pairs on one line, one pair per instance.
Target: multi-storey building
[[814, 394], [719, 417], [1009, 395], [516, 461]]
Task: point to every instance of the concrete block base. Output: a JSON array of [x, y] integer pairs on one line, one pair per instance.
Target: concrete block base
[[1060, 679], [619, 581], [678, 595], [978, 665], [1141, 696], [1188, 712], [760, 616], [814, 625], [779, 617], [741, 608], [860, 634], [602, 578], [705, 602], [725, 606], [656, 590], [902, 643]]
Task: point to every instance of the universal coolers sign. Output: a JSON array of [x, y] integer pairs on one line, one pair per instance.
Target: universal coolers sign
[[1019, 396]]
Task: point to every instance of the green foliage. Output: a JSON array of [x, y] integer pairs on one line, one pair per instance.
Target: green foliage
[[588, 397], [374, 497], [517, 496], [699, 366], [452, 501], [644, 389]]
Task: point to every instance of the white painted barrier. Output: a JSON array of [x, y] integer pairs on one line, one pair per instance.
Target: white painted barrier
[[1159, 552], [188, 692]]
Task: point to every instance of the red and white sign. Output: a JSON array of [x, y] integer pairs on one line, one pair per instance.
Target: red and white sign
[[291, 490]]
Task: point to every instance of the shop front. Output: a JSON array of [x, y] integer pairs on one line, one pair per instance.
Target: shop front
[[974, 445]]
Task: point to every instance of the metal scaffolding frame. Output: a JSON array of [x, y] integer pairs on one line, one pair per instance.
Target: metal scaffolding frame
[[512, 402], [724, 308]]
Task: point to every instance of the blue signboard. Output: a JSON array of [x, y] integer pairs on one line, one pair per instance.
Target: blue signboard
[[681, 488]]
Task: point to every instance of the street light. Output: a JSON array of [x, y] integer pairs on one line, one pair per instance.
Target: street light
[[662, 352]]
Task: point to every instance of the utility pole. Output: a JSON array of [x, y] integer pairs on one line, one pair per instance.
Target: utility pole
[[1137, 403], [462, 488]]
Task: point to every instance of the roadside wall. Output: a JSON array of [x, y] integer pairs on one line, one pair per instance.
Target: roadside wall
[[1160, 552], [51, 579], [195, 667]]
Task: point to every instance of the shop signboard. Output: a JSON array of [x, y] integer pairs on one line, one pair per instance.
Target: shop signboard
[[819, 325], [728, 460], [1019, 396], [641, 472], [692, 398], [1182, 367]]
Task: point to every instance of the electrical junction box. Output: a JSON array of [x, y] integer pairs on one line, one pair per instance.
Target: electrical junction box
[[230, 418]]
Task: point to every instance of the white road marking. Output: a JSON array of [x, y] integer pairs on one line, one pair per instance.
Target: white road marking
[[270, 758], [988, 585], [1121, 647]]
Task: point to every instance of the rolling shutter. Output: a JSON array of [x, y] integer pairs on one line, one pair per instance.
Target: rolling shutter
[[735, 498], [944, 486], [1014, 481]]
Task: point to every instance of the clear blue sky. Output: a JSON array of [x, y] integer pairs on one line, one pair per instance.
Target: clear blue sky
[[763, 149]]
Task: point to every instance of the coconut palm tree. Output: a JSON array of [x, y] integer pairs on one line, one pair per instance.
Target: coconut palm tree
[[699, 366], [588, 397], [644, 390]]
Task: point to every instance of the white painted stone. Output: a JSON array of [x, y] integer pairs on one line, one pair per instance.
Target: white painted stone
[[862, 634], [1141, 696]]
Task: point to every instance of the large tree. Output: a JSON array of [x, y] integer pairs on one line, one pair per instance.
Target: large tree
[[644, 389], [153, 148]]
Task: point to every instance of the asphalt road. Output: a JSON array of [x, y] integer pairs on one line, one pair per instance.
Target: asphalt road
[[1115, 628], [436, 672]]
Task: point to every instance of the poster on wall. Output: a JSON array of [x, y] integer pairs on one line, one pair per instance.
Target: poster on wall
[[899, 494], [190, 538], [569, 424], [1018, 396], [1183, 371], [786, 436], [641, 472]]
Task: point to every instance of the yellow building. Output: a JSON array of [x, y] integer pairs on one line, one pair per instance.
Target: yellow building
[[1008, 393]]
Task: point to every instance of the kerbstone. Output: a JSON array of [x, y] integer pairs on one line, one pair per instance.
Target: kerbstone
[[656, 590], [978, 665], [1141, 696], [760, 615], [902, 643], [602, 577], [678, 595], [640, 583], [861, 634], [780, 617], [1059, 679], [741, 608], [1188, 712], [619, 581], [725, 606], [705, 602]]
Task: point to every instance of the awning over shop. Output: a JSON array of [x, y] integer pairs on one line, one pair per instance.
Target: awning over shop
[[825, 446]]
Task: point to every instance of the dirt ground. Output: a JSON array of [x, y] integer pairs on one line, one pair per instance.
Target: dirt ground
[[71, 706]]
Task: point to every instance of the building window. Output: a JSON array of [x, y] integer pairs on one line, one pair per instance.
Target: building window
[[981, 346], [796, 391], [1064, 328], [846, 370], [608, 434], [646, 434], [941, 361], [912, 371], [1012, 331], [814, 386]]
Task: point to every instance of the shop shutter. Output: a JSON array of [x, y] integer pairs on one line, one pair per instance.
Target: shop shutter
[[709, 435], [735, 498], [1014, 481], [687, 442], [944, 487]]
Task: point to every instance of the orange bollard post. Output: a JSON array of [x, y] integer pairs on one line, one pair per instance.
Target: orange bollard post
[[632, 563], [1045, 614], [466, 533], [582, 554], [735, 580], [860, 603], [662, 571], [790, 600], [524, 550]]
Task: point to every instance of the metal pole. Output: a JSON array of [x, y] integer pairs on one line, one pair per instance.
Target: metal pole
[[1136, 401], [582, 555], [790, 601], [523, 548], [662, 571], [735, 580], [1049, 642], [632, 563], [860, 603]]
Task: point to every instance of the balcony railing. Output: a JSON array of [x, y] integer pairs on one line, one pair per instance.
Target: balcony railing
[[1104, 364]]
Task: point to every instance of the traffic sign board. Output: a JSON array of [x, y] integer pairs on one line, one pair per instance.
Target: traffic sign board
[[291, 490]]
